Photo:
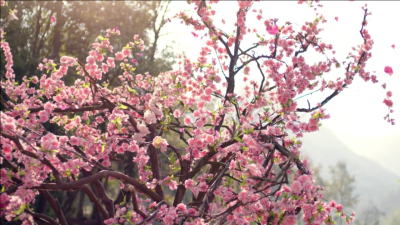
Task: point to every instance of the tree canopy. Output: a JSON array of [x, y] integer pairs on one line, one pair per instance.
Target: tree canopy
[[236, 161]]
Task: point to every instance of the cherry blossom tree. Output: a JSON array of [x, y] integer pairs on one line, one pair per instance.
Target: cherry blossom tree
[[234, 164]]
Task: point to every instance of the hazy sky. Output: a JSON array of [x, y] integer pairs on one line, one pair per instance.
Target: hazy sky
[[357, 113]]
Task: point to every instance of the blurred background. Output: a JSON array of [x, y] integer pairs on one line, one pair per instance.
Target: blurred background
[[355, 155]]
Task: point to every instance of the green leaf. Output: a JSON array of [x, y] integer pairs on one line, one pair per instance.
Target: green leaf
[[123, 202], [20, 210], [357, 68], [101, 38], [120, 106], [132, 90], [238, 139]]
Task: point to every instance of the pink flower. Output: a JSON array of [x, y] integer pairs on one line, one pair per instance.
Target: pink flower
[[195, 191], [134, 61], [168, 219], [110, 62], [208, 91], [187, 121], [296, 187], [119, 56], [393, 46], [177, 113], [203, 186], [52, 19], [209, 139], [161, 143], [192, 211], [90, 60], [181, 207], [272, 28], [199, 123], [339, 208], [243, 196], [389, 94], [313, 125], [189, 183], [336, 18], [7, 148], [254, 170], [388, 70], [126, 52], [43, 116], [388, 102]]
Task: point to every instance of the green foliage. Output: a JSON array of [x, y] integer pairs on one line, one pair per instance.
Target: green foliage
[[34, 36]]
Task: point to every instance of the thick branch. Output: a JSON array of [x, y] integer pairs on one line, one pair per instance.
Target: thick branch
[[76, 184], [155, 162], [56, 207], [95, 201]]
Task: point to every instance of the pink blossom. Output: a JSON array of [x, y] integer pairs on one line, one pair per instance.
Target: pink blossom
[[168, 219], [181, 207], [161, 143], [388, 102], [272, 28], [177, 113], [389, 94], [43, 116], [243, 196], [110, 62], [209, 139], [53, 19], [203, 186], [393, 46], [208, 91], [150, 117], [7, 148], [189, 183], [126, 51], [192, 211], [119, 56], [296, 187], [199, 123], [187, 121], [90, 60], [388, 70]]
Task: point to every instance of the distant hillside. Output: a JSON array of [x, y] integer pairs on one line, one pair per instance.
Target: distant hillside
[[373, 182], [383, 149]]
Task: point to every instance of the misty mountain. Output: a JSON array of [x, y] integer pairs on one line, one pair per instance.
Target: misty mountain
[[374, 184]]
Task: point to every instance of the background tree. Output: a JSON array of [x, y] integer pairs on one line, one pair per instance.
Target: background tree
[[76, 24], [340, 186]]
